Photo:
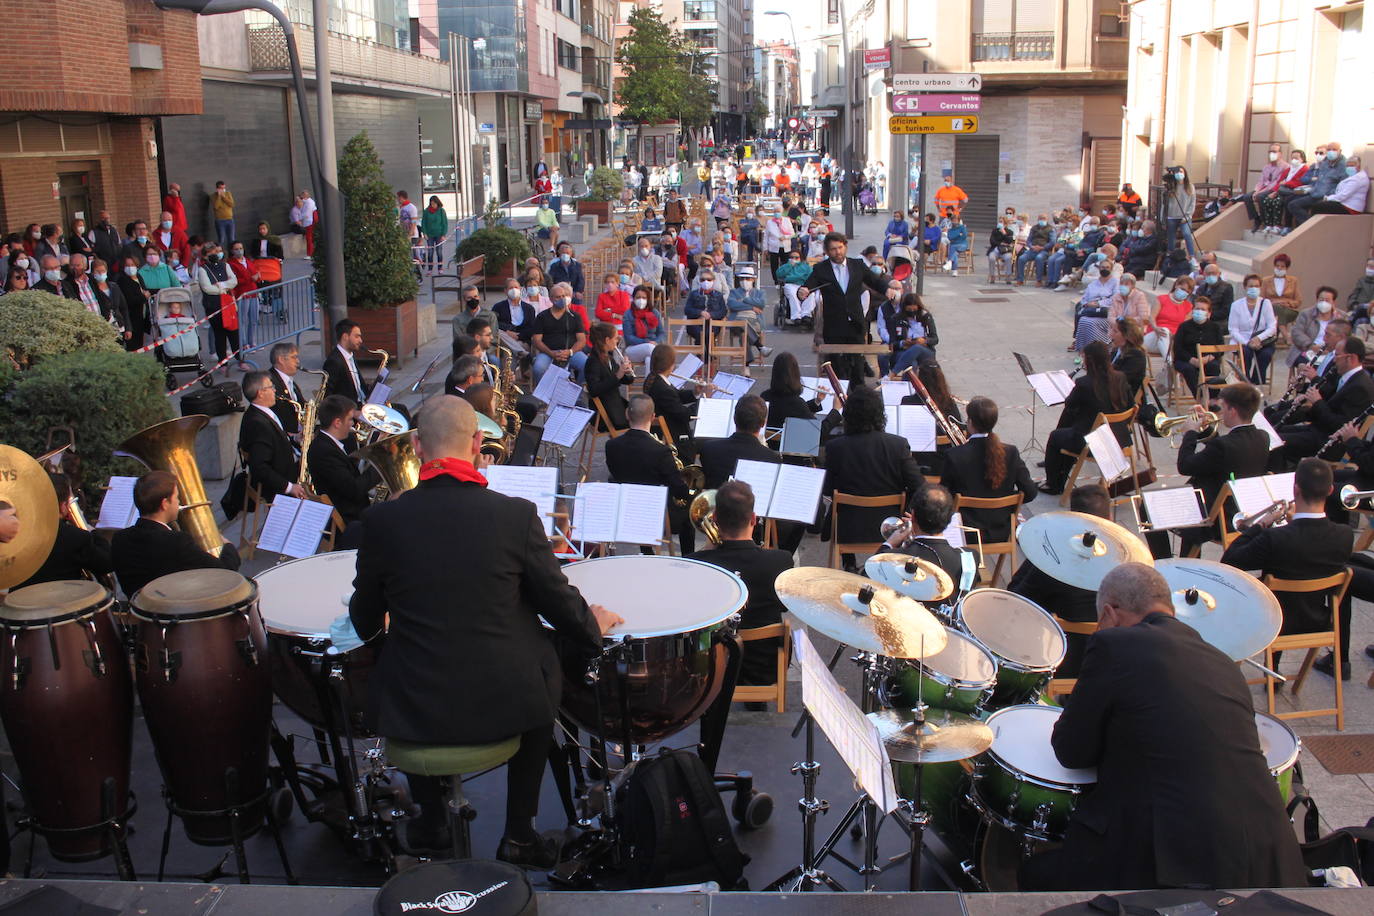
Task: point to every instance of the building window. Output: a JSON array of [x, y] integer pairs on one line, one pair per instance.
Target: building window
[[567, 8], [702, 38], [569, 57], [832, 12], [1013, 29], [699, 9]]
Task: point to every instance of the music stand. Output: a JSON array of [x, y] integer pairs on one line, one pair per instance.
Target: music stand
[[1028, 370]]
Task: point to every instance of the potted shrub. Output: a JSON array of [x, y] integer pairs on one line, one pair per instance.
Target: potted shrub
[[604, 190], [504, 248], [35, 324], [379, 269]]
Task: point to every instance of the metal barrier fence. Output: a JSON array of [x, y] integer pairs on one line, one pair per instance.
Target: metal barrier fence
[[282, 310]]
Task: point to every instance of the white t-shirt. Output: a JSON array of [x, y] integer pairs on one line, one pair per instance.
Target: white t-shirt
[[410, 218]]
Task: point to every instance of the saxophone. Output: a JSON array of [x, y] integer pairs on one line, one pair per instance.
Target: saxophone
[[306, 415], [506, 394]]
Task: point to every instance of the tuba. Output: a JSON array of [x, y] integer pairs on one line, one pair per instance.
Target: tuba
[[171, 446], [702, 508], [395, 459]]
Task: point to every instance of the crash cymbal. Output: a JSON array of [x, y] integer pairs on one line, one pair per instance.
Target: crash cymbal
[[1078, 549], [24, 484], [913, 577], [943, 737], [861, 613], [1229, 608]]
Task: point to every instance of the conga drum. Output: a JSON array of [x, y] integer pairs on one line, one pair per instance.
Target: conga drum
[[206, 690], [67, 702]]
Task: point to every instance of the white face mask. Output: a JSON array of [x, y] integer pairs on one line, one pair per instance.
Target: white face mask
[[746, 284], [1297, 163], [1323, 306], [513, 294], [1273, 157], [24, 263], [1280, 272], [131, 270], [641, 303]]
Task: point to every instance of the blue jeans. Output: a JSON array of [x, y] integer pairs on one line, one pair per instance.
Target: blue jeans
[[1175, 225], [224, 232], [434, 251], [1055, 265], [910, 358], [556, 205], [576, 362], [1028, 256]]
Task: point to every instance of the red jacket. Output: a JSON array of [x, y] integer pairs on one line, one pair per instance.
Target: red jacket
[[174, 206], [612, 306], [244, 271], [1296, 181], [179, 241]]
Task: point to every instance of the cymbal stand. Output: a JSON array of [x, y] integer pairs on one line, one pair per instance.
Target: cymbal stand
[[808, 875]]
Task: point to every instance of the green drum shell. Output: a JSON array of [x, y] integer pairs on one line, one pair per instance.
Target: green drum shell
[[934, 684], [944, 787], [1018, 680], [1014, 799]]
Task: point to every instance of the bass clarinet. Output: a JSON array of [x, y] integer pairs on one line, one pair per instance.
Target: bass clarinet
[[953, 433]]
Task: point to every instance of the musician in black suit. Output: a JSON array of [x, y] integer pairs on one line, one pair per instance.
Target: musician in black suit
[[286, 362], [333, 470], [1059, 598], [718, 457], [1242, 452], [841, 281], [677, 406], [269, 456], [1327, 413], [467, 371], [1102, 389], [985, 467], [1320, 372], [928, 515], [341, 365], [785, 395], [1184, 797], [1310, 546], [77, 553], [151, 548], [637, 456], [866, 461], [606, 370], [465, 574]]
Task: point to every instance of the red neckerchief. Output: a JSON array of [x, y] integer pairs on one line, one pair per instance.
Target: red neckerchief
[[456, 468]]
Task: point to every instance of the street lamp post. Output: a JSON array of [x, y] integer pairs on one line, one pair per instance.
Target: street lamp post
[[796, 47]]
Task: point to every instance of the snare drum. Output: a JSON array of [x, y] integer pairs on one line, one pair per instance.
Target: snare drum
[[206, 692], [1023, 638], [67, 702], [675, 610], [1019, 783], [959, 677], [1280, 745], [299, 600]]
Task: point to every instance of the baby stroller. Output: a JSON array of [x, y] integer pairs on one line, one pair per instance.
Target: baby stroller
[[868, 199], [172, 313], [899, 262]]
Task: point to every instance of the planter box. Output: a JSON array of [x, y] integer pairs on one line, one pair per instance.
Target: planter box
[[601, 209], [395, 330], [497, 279]]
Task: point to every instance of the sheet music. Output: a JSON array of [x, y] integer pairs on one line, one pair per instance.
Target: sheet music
[[548, 383], [1262, 423], [797, 493], [894, 391], [913, 422], [715, 419], [380, 394], [303, 539], [564, 424], [1175, 507], [566, 392], [277, 528], [538, 485], [1052, 387], [810, 385], [1106, 451], [640, 516], [955, 532], [1280, 486], [762, 477], [684, 370], [595, 512], [1251, 493], [117, 509], [730, 386], [800, 437]]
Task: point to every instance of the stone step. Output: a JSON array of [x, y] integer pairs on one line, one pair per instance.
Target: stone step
[[1245, 248], [1234, 265]]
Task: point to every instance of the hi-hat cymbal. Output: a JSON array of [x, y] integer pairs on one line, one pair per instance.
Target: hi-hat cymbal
[[1229, 608], [912, 576], [861, 613], [943, 737], [24, 484], [1079, 549]]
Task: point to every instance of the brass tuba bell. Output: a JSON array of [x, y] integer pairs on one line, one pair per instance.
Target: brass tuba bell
[[702, 509], [395, 459], [171, 446]]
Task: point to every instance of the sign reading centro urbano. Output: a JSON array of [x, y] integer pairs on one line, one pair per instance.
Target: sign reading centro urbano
[[936, 103], [937, 82], [932, 124]]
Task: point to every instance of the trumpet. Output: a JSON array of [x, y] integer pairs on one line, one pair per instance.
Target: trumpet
[[1352, 497], [1167, 426], [896, 525], [1276, 513]]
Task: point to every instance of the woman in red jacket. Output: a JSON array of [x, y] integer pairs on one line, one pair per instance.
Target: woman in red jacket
[[613, 302]]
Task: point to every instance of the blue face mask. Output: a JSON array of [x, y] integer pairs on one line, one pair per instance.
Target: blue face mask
[[1252, 292], [565, 258], [1332, 155], [1349, 170], [1179, 295], [1044, 222], [1210, 280]]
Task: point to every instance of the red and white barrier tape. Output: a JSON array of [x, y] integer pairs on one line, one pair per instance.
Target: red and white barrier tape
[[213, 369], [157, 343]]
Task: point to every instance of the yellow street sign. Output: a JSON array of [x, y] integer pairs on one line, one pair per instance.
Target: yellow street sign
[[933, 124]]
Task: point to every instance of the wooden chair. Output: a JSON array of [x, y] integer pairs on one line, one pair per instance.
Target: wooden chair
[[1217, 515], [775, 693], [249, 512], [1084, 456], [895, 501], [964, 261], [730, 342], [336, 527], [1003, 550], [682, 342], [1335, 586], [1221, 351]]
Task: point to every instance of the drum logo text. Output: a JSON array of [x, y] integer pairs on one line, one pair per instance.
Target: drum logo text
[[452, 901]]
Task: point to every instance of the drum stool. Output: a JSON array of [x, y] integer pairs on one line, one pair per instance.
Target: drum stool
[[450, 763]]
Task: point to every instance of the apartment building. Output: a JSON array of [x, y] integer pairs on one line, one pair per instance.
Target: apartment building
[[717, 28]]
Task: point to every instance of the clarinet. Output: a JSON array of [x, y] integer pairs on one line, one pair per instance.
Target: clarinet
[[1335, 439]]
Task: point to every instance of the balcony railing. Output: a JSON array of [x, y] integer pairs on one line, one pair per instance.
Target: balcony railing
[[995, 46], [350, 57]]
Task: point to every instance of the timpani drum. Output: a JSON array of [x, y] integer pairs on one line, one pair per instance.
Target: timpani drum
[[670, 648], [1022, 637], [1280, 745], [67, 703], [298, 601], [1019, 783], [203, 681], [959, 677]]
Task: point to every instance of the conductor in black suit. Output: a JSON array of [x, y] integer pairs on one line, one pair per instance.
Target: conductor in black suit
[[929, 515], [1242, 452], [1326, 414], [150, 548], [465, 575], [286, 362], [270, 458], [333, 470], [866, 461], [637, 456], [841, 281], [985, 467], [341, 365], [1184, 797]]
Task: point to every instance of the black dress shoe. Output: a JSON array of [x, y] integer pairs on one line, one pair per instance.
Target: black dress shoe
[[540, 854], [1327, 666], [1052, 491], [1369, 650]]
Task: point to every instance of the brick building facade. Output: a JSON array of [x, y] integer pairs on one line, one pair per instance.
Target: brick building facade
[[78, 121]]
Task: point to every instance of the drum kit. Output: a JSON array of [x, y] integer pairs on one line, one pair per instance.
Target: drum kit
[[955, 687]]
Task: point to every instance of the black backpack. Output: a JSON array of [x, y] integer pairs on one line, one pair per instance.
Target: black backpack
[[675, 827]]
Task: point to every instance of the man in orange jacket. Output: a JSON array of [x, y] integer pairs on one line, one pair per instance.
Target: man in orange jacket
[[950, 198]]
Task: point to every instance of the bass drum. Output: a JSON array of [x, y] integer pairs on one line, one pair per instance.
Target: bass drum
[[670, 645], [299, 600], [999, 852], [67, 702], [203, 680]]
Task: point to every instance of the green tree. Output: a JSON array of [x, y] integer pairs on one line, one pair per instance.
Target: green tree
[[665, 76]]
